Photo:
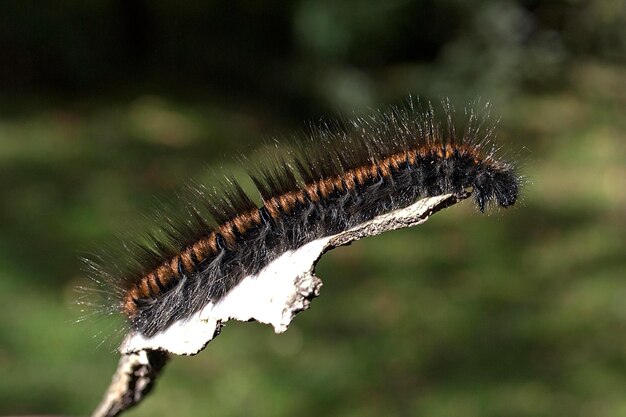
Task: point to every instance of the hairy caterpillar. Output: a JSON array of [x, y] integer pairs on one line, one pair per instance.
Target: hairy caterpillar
[[323, 185]]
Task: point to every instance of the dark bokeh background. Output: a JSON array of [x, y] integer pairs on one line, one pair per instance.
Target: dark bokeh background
[[105, 104]]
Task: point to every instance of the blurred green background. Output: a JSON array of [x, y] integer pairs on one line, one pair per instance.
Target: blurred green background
[[106, 104]]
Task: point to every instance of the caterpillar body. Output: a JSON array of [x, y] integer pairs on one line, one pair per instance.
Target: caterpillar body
[[322, 185]]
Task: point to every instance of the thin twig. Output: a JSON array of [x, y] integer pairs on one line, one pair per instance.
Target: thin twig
[[134, 378]]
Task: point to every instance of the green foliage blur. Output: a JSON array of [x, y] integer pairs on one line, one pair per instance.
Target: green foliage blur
[[520, 312]]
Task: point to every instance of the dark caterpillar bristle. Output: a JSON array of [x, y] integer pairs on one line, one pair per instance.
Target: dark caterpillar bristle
[[325, 184]]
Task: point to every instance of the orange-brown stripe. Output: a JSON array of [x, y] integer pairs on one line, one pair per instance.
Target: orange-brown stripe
[[185, 256], [348, 179], [384, 167], [173, 266], [226, 230], [163, 278], [154, 286], [312, 192]]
